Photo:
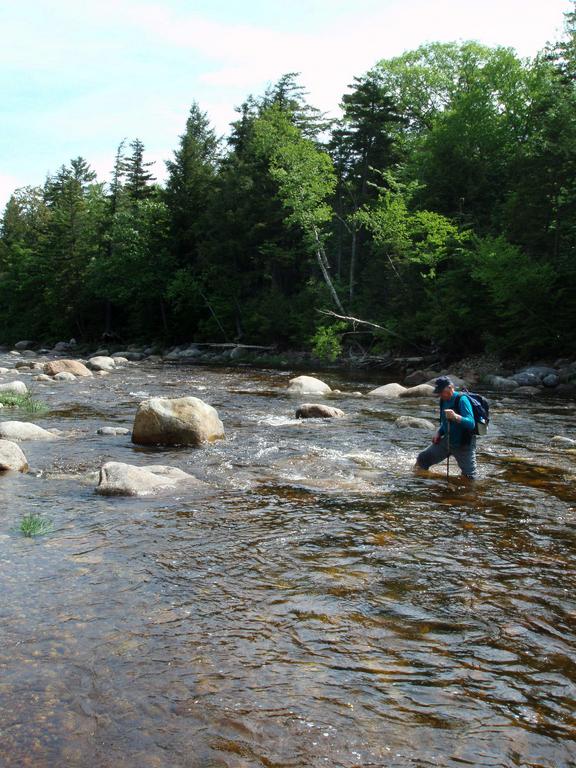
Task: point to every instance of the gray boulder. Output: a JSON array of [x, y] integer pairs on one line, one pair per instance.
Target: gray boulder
[[14, 388], [12, 457], [178, 421], [422, 390], [317, 411], [501, 383], [118, 479], [389, 391], [526, 379], [64, 376], [24, 430], [551, 380], [307, 385], [540, 371], [411, 422], [21, 345], [112, 431], [416, 377], [101, 363]]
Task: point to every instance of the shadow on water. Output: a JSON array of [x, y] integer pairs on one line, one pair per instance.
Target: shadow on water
[[316, 604]]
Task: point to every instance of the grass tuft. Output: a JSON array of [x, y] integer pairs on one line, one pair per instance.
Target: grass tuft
[[35, 525], [25, 402]]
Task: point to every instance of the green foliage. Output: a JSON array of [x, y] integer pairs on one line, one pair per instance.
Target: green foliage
[[35, 525], [327, 341], [442, 206], [24, 402]]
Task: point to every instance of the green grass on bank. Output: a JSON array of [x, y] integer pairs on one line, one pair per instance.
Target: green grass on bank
[[25, 402]]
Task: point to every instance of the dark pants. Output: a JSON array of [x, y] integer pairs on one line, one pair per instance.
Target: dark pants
[[464, 455]]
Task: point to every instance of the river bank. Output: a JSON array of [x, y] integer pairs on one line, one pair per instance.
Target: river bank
[[525, 378]]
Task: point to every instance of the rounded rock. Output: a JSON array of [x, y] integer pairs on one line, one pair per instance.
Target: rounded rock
[[178, 421], [12, 457]]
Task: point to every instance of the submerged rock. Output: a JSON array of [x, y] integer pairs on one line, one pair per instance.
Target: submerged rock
[[24, 430], [112, 431], [178, 421], [14, 388], [117, 479], [411, 422], [64, 376], [70, 366], [308, 385], [317, 411], [562, 440], [12, 457], [388, 390]]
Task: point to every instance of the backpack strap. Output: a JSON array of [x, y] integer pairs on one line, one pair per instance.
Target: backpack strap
[[458, 396]]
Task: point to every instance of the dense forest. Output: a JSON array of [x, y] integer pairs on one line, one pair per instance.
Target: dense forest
[[441, 206]]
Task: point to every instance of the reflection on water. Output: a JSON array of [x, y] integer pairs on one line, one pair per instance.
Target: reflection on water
[[318, 605]]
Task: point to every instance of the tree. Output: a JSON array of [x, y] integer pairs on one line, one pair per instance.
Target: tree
[[138, 178]]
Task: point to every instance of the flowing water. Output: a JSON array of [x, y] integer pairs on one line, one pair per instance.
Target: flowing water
[[316, 604]]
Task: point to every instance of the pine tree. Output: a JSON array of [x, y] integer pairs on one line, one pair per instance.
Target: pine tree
[[138, 178]]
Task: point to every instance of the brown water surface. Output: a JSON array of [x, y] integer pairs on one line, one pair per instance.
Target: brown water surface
[[316, 605]]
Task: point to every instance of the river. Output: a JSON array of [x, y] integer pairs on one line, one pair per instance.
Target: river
[[315, 605]]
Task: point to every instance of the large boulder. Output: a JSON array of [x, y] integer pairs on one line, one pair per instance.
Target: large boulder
[[101, 363], [117, 479], [422, 390], [411, 422], [21, 345], [540, 371], [501, 383], [308, 385], [12, 457], [14, 388], [416, 377], [317, 411], [178, 421], [390, 391], [69, 366], [526, 379], [24, 430], [551, 380]]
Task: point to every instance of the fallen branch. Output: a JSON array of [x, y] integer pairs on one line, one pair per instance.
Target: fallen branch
[[356, 320]]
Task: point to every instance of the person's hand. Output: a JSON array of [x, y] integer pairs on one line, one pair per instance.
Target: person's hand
[[451, 415], [436, 439]]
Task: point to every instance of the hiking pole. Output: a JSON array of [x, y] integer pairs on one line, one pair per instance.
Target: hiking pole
[[448, 443]]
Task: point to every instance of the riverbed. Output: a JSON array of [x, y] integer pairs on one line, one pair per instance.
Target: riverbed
[[315, 604]]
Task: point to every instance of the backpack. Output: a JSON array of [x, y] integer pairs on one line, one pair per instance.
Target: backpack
[[480, 409]]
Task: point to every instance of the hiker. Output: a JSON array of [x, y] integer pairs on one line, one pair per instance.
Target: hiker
[[455, 437]]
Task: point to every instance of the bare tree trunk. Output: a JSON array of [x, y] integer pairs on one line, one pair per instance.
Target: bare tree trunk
[[324, 267], [353, 264]]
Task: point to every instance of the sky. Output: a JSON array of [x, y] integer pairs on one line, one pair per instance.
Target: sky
[[76, 77]]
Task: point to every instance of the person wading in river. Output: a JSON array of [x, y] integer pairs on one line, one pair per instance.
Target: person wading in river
[[455, 437]]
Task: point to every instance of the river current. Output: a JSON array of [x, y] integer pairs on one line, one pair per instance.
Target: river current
[[316, 604]]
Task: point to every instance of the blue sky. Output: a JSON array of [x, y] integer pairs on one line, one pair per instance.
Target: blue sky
[[77, 77]]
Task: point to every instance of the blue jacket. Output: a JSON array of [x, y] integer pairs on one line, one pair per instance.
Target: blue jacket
[[460, 432]]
